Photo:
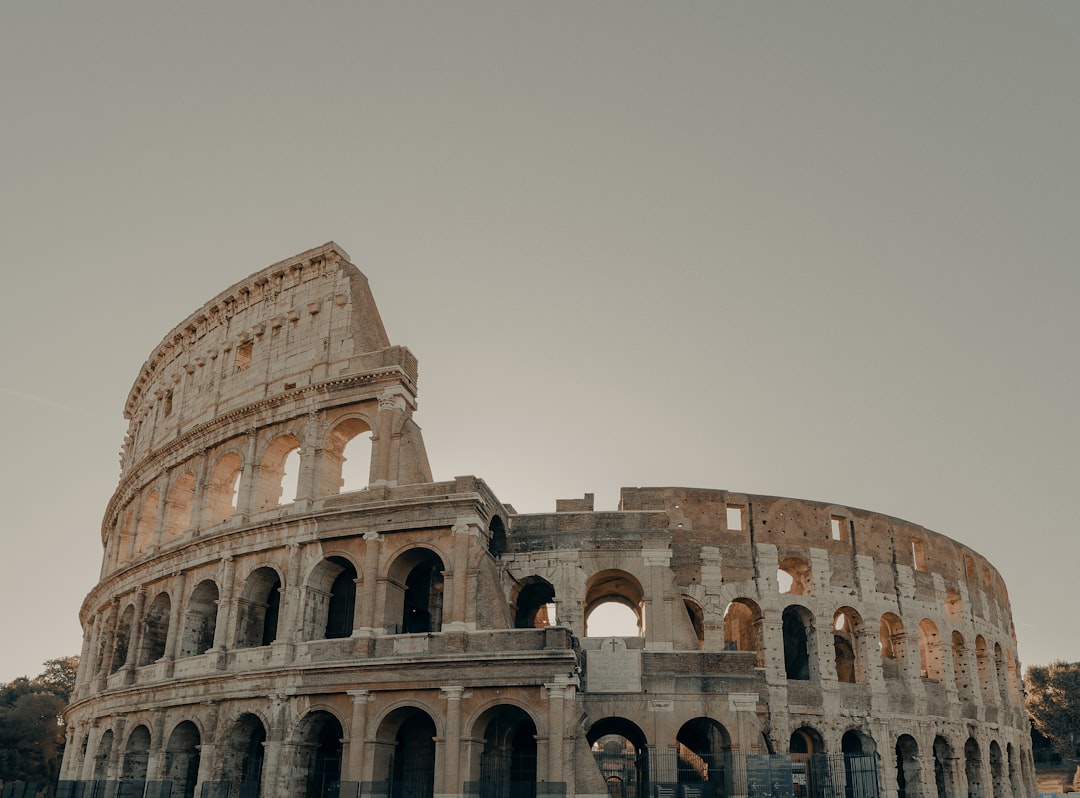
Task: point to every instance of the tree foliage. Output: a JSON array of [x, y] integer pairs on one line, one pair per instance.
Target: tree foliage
[[31, 726], [1053, 701]]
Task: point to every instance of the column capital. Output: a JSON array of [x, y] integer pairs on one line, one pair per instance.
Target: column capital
[[360, 696], [453, 692]]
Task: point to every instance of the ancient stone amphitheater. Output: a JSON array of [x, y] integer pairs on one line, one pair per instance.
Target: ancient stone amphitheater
[[273, 622]]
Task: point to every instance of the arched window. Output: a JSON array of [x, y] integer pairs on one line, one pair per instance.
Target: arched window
[[123, 639], [908, 780], [272, 488], [943, 756], [535, 604], [179, 507], [223, 489], [200, 620], [136, 754], [242, 759], [973, 766], [997, 771], [182, 759], [891, 642], [800, 651], [101, 757], [697, 619], [742, 628], [613, 605], [414, 600], [929, 651], [257, 620], [346, 457], [319, 755], [704, 751], [331, 599], [406, 755], [860, 763], [847, 627], [508, 760], [155, 629], [808, 762], [793, 576], [622, 754], [497, 544]]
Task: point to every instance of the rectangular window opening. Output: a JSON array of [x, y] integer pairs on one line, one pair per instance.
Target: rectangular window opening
[[734, 518], [918, 554], [840, 528], [243, 356]]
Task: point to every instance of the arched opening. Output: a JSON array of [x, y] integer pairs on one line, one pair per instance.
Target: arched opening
[[200, 620], [272, 488], [608, 597], [319, 756], [508, 760], [847, 627], [136, 755], [809, 765], [123, 639], [102, 755], [800, 656], [155, 629], [144, 536], [891, 641], [179, 507], [331, 600], [406, 755], [973, 767], [943, 779], [961, 670], [535, 605], [742, 628], [242, 759], [497, 544], [908, 780], [223, 489], [697, 619], [414, 601], [622, 755], [793, 576], [704, 753], [997, 771], [929, 651], [257, 609], [860, 764], [346, 457], [182, 759]]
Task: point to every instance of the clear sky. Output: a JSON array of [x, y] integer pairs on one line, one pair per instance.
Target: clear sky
[[825, 250]]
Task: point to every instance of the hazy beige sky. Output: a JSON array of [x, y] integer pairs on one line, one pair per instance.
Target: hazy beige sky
[[824, 250]]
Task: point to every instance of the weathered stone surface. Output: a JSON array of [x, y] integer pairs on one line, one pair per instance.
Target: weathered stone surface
[[249, 628]]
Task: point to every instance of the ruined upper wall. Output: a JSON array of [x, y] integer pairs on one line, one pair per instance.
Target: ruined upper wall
[[302, 321]]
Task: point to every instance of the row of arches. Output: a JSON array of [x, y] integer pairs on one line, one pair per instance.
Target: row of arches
[[243, 477]]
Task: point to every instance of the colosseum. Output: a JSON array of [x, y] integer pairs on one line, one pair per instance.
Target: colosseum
[[272, 621]]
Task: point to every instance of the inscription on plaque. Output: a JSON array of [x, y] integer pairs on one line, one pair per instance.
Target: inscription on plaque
[[614, 669]]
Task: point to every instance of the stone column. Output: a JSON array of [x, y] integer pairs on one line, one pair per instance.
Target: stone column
[[275, 775], [246, 495], [176, 616], [112, 767], [155, 762], [558, 693], [83, 673], [307, 487], [354, 765], [364, 621], [207, 760], [744, 705], [159, 522], [451, 777], [657, 610], [135, 638], [382, 438], [465, 533], [291, 599], [225, 623]]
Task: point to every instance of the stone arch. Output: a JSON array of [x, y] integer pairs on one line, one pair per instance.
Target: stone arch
[[800, 646], [860, 762], [944, 782], [330, 599], [847, 629], [179, 507], [136, 754], [506, 763], [242, 757], [144, 534], [349, 440], [258, 608], [319, 741], [807, 751], [998, 783], [270, 490], [964, 686], [405, 751], [155, 634], [742, 628], [704, 754], [697, 619], [621, 751], [1016, 780], [930, 666], [414, 592], [794, 576], [973, 767], [891, 642], [182, 759], [908, 778], [223, 488], [534, 604], [613, 586], [122, 644], [497, 543], [102, 755], [200, 619]]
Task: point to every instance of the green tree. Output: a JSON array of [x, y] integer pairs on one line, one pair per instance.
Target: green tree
[[31, 723], [1053, 701]]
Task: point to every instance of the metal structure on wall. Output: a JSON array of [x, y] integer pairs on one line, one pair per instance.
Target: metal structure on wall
[[269, 622]]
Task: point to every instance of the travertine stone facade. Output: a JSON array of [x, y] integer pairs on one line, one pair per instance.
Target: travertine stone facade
[[264, 627]]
